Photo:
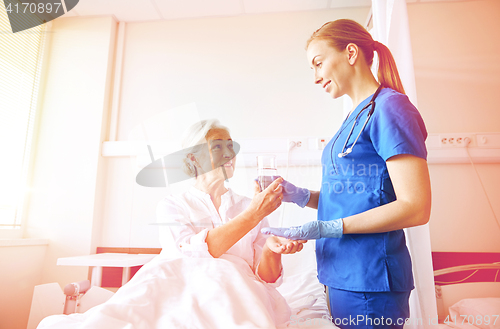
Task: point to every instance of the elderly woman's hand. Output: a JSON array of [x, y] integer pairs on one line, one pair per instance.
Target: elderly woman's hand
[[267, 201], [281, 245]]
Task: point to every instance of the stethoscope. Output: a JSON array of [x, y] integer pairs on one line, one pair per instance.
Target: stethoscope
[[372, 104]]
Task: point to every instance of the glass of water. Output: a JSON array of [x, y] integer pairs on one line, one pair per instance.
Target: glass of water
[[267, 170]]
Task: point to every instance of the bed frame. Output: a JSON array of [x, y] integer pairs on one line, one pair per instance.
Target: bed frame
[[459, 275], [112, 276]]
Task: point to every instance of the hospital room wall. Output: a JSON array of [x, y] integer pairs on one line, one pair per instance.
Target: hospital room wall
[[250, 72], [20, 273], [79, 199], [456, 55], [65, 189], [455, 83]]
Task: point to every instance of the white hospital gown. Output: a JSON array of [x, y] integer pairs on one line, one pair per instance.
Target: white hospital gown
[[185, 220]]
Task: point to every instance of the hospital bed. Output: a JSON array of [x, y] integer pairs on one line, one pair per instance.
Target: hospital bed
[[300, 287], [467, 289]]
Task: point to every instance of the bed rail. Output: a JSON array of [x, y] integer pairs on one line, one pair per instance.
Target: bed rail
[[454, 269]]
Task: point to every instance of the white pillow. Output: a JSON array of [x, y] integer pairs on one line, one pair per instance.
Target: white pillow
[[481, 312]]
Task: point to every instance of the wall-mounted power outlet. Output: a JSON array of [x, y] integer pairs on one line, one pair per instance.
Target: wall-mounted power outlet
[[457, 140], [317, 143], [305, 144], [297, 143]]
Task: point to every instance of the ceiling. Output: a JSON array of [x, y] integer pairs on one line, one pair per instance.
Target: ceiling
[[150, 10]]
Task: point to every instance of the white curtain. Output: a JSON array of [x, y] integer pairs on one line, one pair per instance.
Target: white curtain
[[390, 27]]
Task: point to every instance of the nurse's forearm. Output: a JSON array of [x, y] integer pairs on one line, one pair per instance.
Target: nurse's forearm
[[390, 217], [313, 200]]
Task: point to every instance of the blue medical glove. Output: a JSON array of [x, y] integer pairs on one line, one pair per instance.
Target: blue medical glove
[[309, 231], [297, 195]]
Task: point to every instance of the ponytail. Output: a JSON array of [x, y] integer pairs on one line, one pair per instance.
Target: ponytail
[[341, 32], [388, 75]]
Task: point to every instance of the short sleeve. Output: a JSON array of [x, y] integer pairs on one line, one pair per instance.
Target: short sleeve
[[397, 128], [177, 233]]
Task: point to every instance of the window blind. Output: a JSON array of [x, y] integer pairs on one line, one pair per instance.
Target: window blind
[[20, 64]]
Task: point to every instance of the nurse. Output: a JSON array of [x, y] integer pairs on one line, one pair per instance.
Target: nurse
[[375, 182]]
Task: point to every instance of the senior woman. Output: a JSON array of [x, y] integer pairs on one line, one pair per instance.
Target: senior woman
[[212, 221], [225, 272]]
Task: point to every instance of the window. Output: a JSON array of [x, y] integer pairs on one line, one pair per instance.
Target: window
[[20, 61]]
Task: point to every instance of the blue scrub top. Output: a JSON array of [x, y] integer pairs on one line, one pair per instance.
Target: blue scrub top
[[359, 182]]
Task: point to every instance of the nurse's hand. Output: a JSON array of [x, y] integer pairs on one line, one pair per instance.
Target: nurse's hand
[[309, 231], [291, 193], [280, 245]]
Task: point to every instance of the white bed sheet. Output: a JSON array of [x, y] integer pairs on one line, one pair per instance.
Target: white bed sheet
[[158, 297], [303, 292], [307, 298]]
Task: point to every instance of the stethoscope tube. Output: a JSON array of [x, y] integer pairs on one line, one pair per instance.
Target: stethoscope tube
[[372, 104]]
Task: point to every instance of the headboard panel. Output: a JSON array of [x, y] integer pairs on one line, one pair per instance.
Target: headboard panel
[[478, 280], [442, 260], [112, 276]]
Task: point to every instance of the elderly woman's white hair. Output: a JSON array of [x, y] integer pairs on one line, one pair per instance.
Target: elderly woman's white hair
[[194, 138]]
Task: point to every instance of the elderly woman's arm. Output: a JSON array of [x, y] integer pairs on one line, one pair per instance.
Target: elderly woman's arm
[[270, 263], [220, 239]]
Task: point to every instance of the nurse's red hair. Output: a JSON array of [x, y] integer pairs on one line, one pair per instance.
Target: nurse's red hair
[[342, 32]]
